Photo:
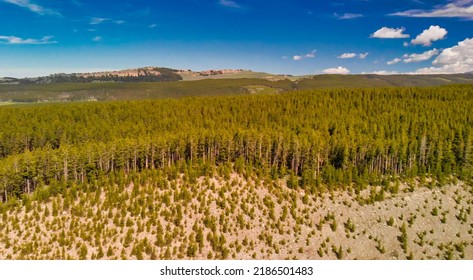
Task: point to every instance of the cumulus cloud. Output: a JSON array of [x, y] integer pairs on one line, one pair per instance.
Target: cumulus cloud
[[229, 3], [97, 39], [353, 55], [456, 8], [390, 33], [457, 59], [347, 16], [394, 61], [35, 8], [415, 57], [338, 70], [20, 41], [311, 54], [347, 55], [434, 33]]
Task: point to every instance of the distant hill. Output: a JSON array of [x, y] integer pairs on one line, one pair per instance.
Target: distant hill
[[158, 82], [162, 74], [189, 75], [101, 91], [333, 80], [144, 74], [148, 74], [371, 80], [8, 80]]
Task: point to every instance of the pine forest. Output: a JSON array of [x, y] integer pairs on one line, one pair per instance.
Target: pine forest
[[369, 173]]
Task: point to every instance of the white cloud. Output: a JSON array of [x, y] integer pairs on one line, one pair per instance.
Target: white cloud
[[35, 8], [390, 33], [420, 57], [348, 16], [311, 54], [229, 3], [353, 55], [347, 55], [457, 59], [97, 39], [415, 57], [97, 20], [394, 61], [154, 25], [338, 70], [430, 35], [457, 8], [20, 41]]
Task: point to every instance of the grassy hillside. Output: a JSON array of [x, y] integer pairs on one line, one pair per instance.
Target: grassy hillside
[[366, 81], [132, 91], [193, 76], [240, 83]]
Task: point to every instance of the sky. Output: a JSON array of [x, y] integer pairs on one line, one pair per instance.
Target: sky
[[42, 37]]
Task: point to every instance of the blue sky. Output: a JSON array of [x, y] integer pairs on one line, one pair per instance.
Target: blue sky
[[40, 37]]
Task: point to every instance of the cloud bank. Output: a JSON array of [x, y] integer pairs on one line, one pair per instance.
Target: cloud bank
[[457, 59]]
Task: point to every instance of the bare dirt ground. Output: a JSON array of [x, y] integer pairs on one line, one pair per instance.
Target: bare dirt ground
[[241, 218]]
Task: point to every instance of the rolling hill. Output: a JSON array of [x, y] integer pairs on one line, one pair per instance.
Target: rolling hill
[[159, 82]]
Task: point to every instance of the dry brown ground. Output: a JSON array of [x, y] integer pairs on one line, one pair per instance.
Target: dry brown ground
[[238, 218]]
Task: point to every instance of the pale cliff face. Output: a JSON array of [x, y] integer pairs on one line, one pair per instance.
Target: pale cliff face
[[125, 73], [151, 71]]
